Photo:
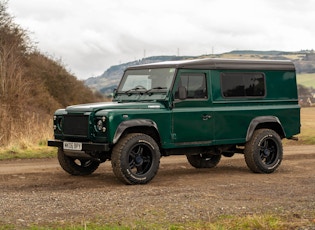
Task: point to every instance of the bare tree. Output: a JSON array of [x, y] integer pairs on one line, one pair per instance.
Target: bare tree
[[14, 85]]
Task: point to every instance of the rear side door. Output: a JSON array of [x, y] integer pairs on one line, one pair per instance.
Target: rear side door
[[192, 122]]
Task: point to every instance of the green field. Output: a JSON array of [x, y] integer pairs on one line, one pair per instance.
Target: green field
[[306, 79], [307, 135]]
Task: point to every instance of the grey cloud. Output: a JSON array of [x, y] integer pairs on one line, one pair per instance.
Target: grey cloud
[[90, 36]]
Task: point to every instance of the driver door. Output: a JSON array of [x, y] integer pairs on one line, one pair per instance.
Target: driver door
[[192, 122]]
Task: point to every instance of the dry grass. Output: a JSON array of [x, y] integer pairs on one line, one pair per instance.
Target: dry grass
[[307, 135], [306, 79], [27, 137], [37, 129], [249, 222]]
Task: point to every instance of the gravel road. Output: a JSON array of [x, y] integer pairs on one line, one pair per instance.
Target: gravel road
[[39, 192]]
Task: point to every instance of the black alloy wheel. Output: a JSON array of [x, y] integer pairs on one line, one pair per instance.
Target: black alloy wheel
[[264, 152], [136, 159]]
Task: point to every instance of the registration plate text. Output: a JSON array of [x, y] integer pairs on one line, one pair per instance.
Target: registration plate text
[[72, 146]]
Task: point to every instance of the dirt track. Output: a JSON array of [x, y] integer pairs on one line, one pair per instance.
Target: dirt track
[[40, 192]]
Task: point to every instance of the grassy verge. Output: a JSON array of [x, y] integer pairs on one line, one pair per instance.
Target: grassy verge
[[258, 222], [29, 152]]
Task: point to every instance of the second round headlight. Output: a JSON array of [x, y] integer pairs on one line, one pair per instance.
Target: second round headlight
[[99, 125]]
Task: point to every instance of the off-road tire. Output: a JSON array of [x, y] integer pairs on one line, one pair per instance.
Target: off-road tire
[[136, 159], [76, 166], [264, 152], [205, 160]]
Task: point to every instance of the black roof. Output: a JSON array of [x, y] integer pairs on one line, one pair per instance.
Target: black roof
[[218, 63]]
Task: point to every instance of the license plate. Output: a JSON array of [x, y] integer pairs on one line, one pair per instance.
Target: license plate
[[72, 146]]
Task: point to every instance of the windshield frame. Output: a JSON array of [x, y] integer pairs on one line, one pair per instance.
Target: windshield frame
[[147, 80]]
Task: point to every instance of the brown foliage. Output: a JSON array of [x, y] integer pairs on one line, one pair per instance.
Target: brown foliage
[[13, 87], [53, 86], [32, 85]]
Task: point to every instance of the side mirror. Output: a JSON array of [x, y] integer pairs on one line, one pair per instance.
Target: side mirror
[[114, 92], [182, 93]]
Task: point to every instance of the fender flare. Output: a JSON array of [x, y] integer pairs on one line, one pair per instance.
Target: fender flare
[[132, 123], [259, 120]]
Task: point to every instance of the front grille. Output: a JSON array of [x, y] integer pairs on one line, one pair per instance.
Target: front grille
[[77, 125]]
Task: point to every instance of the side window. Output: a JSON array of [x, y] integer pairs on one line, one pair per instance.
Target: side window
[[243, 84], [195, 84]]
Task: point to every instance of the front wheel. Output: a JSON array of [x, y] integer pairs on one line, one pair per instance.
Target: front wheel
[[204, 160], [76, 166], [136, 159], [263, 153]]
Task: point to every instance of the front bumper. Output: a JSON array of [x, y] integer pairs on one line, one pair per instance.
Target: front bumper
[[86, 146]]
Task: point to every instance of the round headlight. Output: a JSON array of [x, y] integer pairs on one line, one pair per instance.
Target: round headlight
[[99, 125], [59, 123]]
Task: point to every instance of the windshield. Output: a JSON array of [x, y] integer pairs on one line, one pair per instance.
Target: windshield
[[146, 80]]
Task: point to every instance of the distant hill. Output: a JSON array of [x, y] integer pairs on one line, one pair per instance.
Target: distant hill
[[111, 77], [304, 61]]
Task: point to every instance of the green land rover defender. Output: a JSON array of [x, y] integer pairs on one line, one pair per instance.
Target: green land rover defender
[[204, 109]]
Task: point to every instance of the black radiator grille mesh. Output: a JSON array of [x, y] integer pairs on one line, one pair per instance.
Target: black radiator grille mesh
[[76, 125]]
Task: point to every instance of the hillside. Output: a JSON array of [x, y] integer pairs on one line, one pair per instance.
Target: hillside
[[303, 60], [110, 78], [55, 87], [32, 86]]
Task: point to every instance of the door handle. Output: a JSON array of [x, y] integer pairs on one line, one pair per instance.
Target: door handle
[[206, 117]]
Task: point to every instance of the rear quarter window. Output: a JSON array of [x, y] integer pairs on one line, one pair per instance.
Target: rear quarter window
[[250, 85]]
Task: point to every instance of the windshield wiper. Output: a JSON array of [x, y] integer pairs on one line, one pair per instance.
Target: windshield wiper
[[135, 89], [155, 88]]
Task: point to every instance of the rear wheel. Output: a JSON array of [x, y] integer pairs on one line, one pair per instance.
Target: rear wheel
[[76, 166], [263, 153], [136, 159], [204, 160]]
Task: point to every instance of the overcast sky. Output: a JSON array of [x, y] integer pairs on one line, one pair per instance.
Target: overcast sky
[[91, 35]]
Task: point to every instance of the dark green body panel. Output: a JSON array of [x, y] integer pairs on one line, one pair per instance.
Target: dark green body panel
[[214, 120], [161, 117], [233, 116]]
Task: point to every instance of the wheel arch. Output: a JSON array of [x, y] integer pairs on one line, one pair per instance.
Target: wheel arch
[[145, 126], [267, 122]]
